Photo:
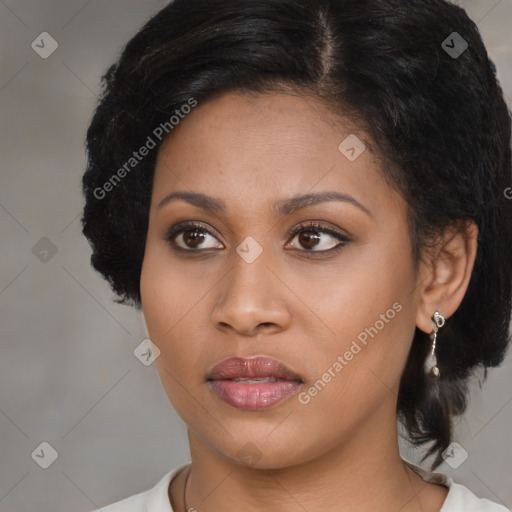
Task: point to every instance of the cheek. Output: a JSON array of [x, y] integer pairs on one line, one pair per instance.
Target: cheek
[[173, 309], [166, 300], [369, 311], [159, 296], [164, 291]]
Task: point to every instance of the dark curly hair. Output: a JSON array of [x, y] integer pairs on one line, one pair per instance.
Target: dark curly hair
[[439, 122]]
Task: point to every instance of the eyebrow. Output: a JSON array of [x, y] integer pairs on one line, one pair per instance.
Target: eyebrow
[[282, 207]]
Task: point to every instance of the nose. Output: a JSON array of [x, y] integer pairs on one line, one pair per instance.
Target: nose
[[251, 299]]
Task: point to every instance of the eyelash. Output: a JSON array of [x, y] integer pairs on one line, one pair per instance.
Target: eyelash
[[316, 226], [309, 226]]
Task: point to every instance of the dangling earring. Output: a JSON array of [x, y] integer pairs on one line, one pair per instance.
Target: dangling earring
[[431, 361]]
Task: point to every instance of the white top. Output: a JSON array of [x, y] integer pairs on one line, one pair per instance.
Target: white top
[[458, 499]]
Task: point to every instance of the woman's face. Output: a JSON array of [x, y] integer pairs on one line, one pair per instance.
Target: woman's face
[[319, 319]]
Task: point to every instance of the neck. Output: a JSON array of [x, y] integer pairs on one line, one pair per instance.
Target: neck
[[363, 473]]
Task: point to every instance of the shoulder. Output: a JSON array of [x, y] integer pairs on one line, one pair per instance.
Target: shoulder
[[461, 499], [152, 500]]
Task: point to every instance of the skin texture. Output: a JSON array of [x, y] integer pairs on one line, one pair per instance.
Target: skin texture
[[302, 308]]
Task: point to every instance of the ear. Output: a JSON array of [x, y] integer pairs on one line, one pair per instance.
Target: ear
[[445, 272]]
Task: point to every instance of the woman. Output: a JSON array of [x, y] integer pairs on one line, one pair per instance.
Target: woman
[[307, 200]]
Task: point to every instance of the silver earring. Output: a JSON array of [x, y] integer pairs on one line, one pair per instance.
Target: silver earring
[[431, 361]]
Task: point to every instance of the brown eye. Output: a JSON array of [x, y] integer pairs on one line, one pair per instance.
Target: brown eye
[[191, 237], [315, 237], [309, 239]]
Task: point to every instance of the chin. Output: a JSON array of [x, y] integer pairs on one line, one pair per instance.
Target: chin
[[259, 450]]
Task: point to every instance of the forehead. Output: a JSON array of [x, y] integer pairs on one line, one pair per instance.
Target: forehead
[[249, 147], [264, 123]]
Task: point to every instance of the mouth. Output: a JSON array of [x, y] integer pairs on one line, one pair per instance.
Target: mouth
[[253, 384], [256, 380]]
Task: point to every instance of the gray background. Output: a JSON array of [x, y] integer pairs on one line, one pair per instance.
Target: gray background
[[68, 374]]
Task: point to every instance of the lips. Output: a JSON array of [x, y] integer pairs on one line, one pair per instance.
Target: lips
[[254, 368], [253, 384]]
